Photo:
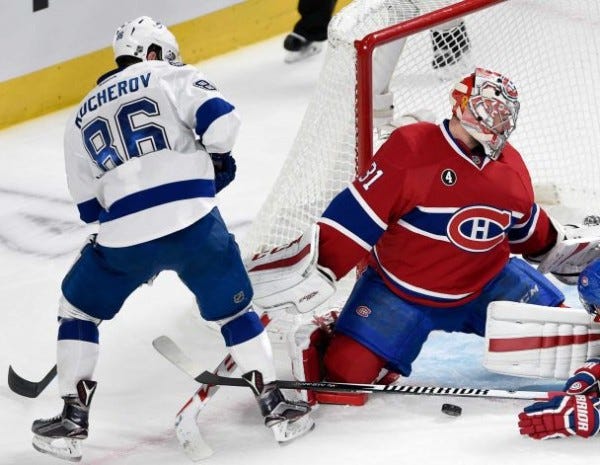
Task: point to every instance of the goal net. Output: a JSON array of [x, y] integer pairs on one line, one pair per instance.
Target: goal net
[[549, 48]]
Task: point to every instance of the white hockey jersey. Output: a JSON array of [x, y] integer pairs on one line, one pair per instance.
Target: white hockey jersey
[[137, 151]]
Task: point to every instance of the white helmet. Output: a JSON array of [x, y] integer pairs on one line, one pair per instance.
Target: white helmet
[[487, 106], [135, 37]]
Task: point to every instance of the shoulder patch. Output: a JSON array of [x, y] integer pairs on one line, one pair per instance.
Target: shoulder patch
[[204, 84], [448, 177]]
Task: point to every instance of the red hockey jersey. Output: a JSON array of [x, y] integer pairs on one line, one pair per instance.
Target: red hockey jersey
[[438, 220]]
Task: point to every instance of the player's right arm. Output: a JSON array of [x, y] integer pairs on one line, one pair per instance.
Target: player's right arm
[[358, 216], [213, 119]]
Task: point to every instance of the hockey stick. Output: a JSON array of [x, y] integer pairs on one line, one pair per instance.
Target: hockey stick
[[175, 355], [186, 420], [26, 388], [247, 381]]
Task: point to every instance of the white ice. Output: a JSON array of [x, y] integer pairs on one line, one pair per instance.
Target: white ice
[[139, 392]]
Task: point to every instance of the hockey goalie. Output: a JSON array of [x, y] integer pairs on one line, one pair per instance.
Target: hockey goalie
[[437, 217]]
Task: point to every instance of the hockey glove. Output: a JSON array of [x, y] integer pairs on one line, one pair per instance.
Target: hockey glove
[[561, 416], [585, 379], [225, 169]]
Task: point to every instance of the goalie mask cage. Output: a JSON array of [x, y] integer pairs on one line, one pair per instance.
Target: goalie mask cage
[[549, 48]]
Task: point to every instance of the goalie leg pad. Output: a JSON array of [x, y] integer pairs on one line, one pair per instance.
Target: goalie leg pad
[[534, 340]]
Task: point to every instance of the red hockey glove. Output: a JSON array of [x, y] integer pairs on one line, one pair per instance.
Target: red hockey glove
[[585, 379], [561, 416]]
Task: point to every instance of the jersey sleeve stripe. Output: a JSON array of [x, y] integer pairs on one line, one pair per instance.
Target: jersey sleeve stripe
[[365, 206], [89, 210], [348, 214], [339, 228], [431, 223], [158, 195], [210, 111], [522, 232]]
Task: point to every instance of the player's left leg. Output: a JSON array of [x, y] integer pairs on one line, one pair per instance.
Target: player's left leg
[[213, 270], [94, 289]]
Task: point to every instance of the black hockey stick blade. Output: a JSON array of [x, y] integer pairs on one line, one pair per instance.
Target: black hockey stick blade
[[27, 388]]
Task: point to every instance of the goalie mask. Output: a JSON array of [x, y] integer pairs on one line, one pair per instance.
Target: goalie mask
[[588, 286], [141, 35], [486, 104]]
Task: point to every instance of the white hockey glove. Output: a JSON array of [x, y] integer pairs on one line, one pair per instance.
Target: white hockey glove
[[575, 248], [289, 277]]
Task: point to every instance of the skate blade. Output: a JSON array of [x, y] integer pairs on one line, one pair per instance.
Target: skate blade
[[312, 49], [61, 448], [286, 431]]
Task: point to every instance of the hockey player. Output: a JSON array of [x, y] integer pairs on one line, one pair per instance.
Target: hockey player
[[145, 154], [437, 215], [577, 411]]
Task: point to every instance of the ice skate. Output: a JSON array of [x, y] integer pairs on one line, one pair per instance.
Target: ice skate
[[299, 48], [60, 436], [288, 419]]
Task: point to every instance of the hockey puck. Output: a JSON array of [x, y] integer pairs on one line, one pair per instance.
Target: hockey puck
[[452, 410]]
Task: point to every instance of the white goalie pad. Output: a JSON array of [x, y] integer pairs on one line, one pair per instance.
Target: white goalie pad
[[580, 246], [288, 277], [537, 341]]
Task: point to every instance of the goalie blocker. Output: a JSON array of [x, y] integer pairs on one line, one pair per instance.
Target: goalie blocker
[[288, 277]]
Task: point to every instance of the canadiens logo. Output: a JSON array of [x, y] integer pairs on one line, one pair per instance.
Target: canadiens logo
[[363, 311], [576, 386], [478, 228]]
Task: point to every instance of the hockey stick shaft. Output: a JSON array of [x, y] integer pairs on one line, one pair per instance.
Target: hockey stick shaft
[[215, 379], [26, 388], [173, 353]]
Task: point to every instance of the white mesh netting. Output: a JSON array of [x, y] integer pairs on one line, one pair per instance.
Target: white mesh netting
[[550, 48]]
